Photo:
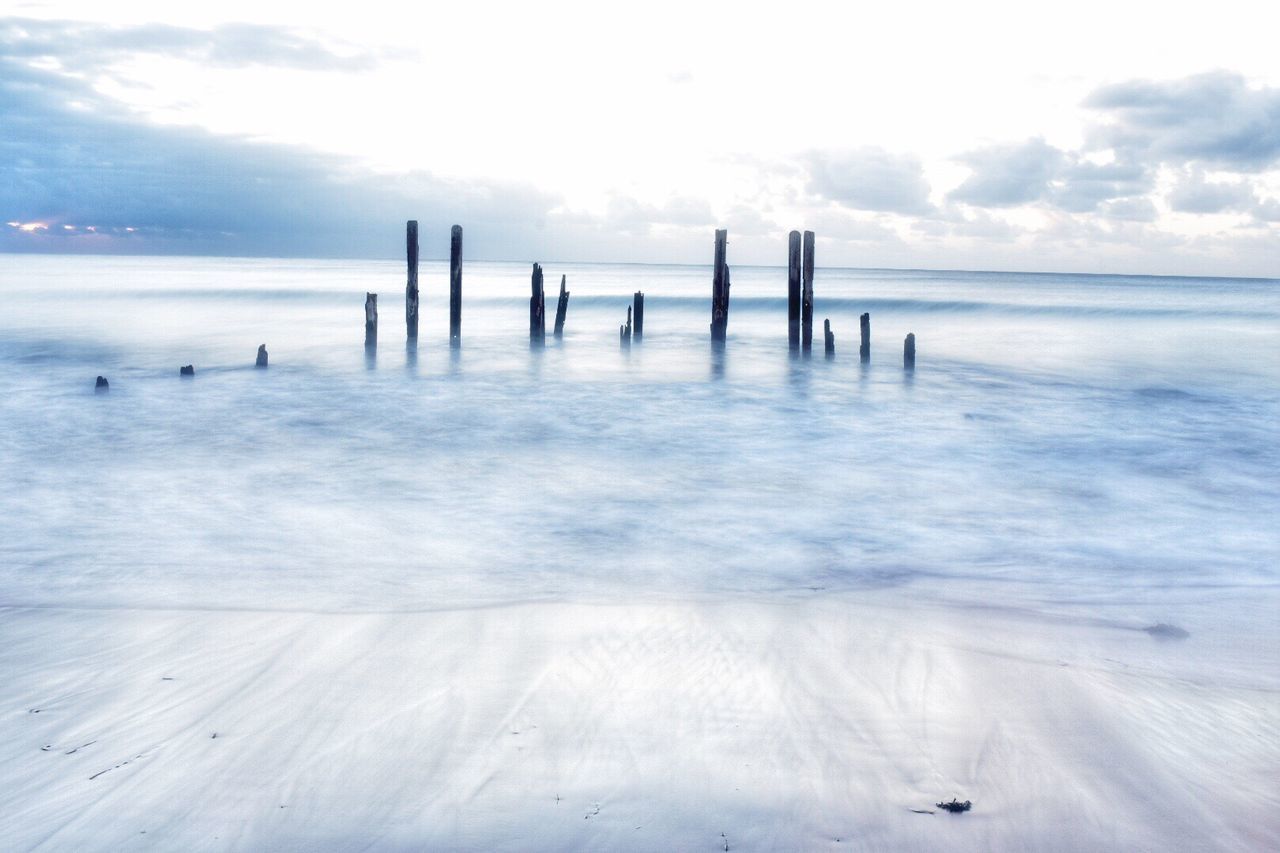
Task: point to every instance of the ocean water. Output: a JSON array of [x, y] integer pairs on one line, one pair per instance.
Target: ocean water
[[1065, 440]]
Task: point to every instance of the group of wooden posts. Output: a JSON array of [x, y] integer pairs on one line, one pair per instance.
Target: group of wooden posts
[[799, 305], [799, 302]]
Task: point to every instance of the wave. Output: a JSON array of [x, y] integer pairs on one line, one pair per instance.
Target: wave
[[747, 304]]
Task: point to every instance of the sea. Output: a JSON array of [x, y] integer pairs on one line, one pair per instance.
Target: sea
[[1064, 441]]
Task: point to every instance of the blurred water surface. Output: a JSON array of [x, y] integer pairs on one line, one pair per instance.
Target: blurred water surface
[[1064, 438]]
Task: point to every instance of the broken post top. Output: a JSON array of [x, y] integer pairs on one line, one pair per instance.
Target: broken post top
[[561, 307], [793, 290], [806, 295], [455, 285], [537, 307], [720, 289], [411, 288]]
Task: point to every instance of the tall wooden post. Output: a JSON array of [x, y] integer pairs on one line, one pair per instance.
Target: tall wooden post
[[262, 356], [411, 289], [793, 291], [537, 310], [371, 319], [909, 352], [829, 337], [637, 331], [455, 286], [562, 307], [720, 290], [864, 349], [806, 297], [624, 332]]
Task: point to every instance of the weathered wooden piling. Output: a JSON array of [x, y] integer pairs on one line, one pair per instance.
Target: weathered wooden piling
[[909, 352], [537, 310], [455, 286], [829, 337], [806, 296], [562, 307], [637, 331], [262, 356], [720, 290], [371, 319], [101, 385], [624, 332], [793, 291], [187, 370], [864, 349], [410, 289]]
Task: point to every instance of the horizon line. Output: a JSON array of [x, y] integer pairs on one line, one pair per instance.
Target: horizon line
[[636, 264]]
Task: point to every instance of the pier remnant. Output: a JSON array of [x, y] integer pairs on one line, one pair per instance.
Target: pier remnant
[[637, 331], [410, 289], [371, 319], [909, 352], [187, 370], [793, 291], [101, 385], [455, 286], [720, 290], [262, 356], [806, 296], [624, 332], [537, 310], [829, 337], [864, 349], [562, 307]]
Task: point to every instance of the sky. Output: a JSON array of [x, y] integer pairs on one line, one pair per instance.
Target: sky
[[1121, 137]]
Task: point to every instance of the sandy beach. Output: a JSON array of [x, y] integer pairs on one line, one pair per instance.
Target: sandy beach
[[835, 722]]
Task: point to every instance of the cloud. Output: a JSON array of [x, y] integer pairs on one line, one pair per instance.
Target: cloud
[[1036, 172], [630, 215], [840, 225], [1131, 210], [188, 190], [869, 179], [1082, 185], [1009, 175], [1214, 118], [1193, 194], [1267, 210], [81, 47], [747, 221]]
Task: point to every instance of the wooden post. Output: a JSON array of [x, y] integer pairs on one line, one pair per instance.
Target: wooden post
[[793, 291], [187, 370], [371, 319], [624, 332], [537, 310], [829, 337], [455, 286], [720, 290], [864, 350], [262, 356], [909, 352], [637, 332], [806, 297], [410, 290], [101, 385], [562, 308]]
